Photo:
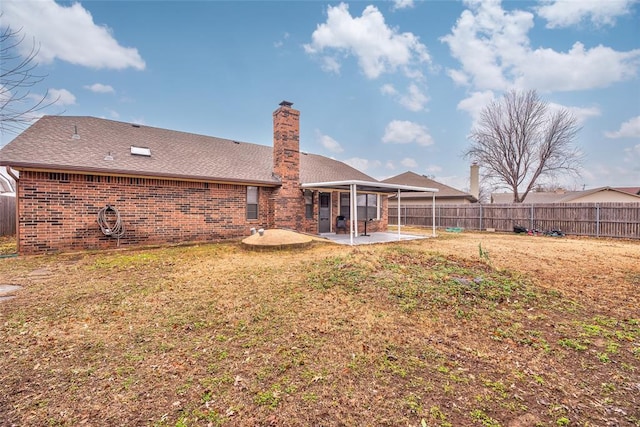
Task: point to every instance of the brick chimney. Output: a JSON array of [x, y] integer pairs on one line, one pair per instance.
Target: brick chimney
[[286, 144], [288, 201]]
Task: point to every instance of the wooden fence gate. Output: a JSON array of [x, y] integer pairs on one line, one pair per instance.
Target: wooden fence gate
[[7, 215]]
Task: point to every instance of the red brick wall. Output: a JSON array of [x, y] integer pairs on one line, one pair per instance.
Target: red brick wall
[[58, 211]]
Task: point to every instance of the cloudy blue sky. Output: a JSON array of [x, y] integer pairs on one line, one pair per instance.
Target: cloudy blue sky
[[384, 86]]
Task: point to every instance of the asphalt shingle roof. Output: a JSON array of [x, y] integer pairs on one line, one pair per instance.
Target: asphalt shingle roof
[[416, 180], [104, 146]]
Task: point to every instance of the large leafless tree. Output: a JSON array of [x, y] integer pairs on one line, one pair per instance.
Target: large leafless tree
[[18, 106], [519, 140]]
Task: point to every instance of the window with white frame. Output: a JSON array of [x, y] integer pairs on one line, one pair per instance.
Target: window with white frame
[[308, 204], [367, 206], [252, 202]]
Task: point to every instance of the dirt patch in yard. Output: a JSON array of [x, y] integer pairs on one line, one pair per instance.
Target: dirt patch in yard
[[601, 271], [467, 329], [276, 239]]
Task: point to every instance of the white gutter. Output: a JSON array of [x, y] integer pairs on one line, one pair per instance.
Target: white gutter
[[379, 185]]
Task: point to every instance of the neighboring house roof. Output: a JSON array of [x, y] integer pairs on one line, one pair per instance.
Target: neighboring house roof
[[558, 197], [94, 145], [630, 190], [416, 180]]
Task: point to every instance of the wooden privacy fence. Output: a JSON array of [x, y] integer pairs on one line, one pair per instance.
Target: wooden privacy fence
[[7, 215], [582, 219]]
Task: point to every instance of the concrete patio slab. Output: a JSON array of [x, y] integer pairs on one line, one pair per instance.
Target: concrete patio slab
[[371, 238]]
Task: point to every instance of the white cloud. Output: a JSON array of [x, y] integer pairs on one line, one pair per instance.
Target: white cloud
[[482, 39], [580, 113], [632, 156], [408, 162], [577, 69], [388, 89], [413, 100], [406, 132], [113, 114], [68, 34], [628, 129], [100, 88], [378, 48], [61, 97], [493, 48], [475, 103], [362, 164], [389, 165], [459, 77], [566, 13], [433, 169], [280, 43], [402, 4], [329, 143], [624, 172], [330, 65]]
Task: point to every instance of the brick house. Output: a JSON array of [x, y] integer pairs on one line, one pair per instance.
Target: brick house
[[166, 186]]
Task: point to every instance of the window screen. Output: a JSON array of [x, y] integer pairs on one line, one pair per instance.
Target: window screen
[[252, 202]]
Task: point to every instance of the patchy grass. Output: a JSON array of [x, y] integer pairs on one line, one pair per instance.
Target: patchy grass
[[422, 333], [8, 245]]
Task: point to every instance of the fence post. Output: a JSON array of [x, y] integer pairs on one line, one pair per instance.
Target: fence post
[[597, 219], [532, 226], [480, 216]]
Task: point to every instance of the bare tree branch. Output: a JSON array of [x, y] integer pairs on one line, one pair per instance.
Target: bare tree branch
[[518, 141], [18, 106]]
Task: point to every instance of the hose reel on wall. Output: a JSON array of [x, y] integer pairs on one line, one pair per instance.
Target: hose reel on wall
[[115, 229]]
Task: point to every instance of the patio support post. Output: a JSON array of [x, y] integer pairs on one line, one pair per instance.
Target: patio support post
[[399, 215], [353, 229], [433, 214]]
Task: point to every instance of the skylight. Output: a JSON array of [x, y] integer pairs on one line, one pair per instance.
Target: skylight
[[140, 151]]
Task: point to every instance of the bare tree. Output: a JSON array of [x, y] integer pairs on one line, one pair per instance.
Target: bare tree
[[518, 141], [18, 107]]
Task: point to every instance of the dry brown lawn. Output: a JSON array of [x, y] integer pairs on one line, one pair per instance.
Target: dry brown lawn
[[465, 329]]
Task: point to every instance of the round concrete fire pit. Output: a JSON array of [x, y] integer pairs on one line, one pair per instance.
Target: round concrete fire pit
[[278, 239]]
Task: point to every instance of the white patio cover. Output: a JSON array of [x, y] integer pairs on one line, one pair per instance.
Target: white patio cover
[[372, 187]]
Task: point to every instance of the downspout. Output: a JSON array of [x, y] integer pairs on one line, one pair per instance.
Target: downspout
[[16, 179], [12, 175]]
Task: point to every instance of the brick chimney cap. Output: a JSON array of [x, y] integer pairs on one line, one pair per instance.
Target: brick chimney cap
[[286, 104]]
